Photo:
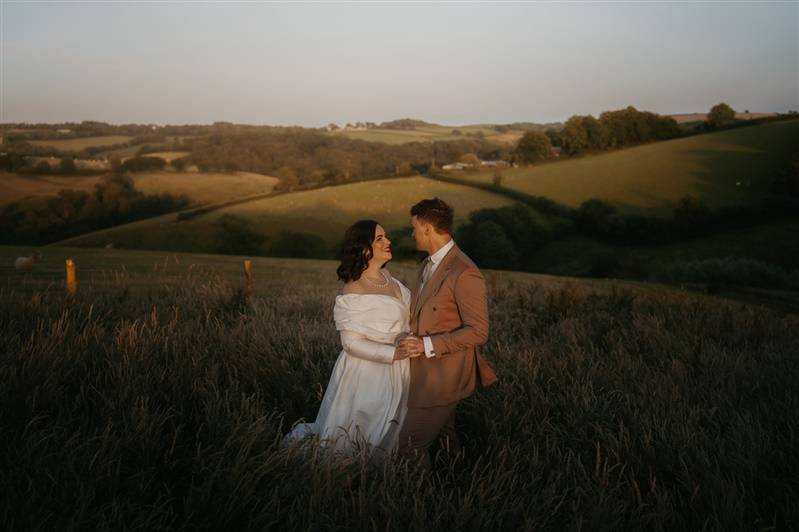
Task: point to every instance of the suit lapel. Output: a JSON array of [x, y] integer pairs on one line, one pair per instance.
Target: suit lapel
[[415, 295], [435, 281]]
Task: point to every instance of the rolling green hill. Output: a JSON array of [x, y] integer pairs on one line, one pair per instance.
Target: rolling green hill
[[326, 212], [200, 187], [429, 133], [731, 167]]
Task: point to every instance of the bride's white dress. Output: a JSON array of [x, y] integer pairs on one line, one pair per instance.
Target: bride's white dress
[[366, 398]]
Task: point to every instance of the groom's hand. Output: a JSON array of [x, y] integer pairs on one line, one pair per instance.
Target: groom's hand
[[413, 345]]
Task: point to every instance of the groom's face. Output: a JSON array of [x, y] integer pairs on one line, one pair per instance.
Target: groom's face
[[420, 233]]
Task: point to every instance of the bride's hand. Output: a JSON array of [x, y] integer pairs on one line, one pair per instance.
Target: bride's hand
[[401, 337], [413, 345]]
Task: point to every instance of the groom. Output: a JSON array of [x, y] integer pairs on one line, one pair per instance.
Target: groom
[[449, 320]]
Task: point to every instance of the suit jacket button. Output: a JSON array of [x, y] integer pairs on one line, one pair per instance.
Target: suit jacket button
[[434, 309]]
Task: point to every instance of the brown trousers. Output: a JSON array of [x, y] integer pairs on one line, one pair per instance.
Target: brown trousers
[[421, 428]]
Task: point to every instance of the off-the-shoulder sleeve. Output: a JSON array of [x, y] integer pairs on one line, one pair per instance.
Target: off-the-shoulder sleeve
[[356, 314], [358, 345], [406, 293]]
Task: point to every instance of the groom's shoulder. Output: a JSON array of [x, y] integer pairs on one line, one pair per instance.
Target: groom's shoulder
[[465, 262]]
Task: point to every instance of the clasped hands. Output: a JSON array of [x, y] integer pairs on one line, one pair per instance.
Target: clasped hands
[[408, 345]]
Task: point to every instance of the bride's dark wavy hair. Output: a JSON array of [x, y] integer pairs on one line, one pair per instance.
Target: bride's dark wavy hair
[[356, 252]]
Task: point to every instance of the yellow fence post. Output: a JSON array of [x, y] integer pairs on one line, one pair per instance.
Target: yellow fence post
[[248, 278], [72, 285]]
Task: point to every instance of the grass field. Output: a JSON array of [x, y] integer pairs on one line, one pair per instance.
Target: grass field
[[157, 399], [78, 144], [727, 168], [16, 187], [201, 188], [326, 212], [429, 134]]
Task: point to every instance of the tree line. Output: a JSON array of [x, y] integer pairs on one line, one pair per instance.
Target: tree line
[[114, 201]]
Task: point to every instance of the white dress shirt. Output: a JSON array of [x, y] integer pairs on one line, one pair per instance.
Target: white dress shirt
[[435, 259]]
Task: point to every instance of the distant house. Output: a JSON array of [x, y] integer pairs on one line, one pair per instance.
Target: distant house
[[65, 131], [456, 166], [92, 164], [495, 164]]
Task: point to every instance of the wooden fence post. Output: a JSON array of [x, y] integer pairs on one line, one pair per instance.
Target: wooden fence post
[[248, 278], [72, 286]]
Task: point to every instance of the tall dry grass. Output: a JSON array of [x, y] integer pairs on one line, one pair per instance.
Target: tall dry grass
[[162, 407]]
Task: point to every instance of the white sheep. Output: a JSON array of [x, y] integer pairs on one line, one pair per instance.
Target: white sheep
[[25, 264]]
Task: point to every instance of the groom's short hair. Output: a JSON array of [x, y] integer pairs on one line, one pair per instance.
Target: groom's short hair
[[436, 212]]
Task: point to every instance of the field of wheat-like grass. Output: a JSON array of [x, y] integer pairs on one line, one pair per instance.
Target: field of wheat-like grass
[[157, 397]]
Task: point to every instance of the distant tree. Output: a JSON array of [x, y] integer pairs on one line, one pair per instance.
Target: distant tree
[[594, 216], [404, 168], [68, 166], [691, 215], [554, 136], [532, 147], [180, 163], [235, 236], [116, 164], [42, 167], [574, 137], [471, 159], [457, 132], [299, 245], [288, 179], [720, 114], [492, 247], [143, 164]]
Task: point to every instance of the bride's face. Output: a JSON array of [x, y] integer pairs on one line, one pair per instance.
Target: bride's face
[[381, 246]]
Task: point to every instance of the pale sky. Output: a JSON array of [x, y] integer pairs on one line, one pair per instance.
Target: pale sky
[[451, 63]]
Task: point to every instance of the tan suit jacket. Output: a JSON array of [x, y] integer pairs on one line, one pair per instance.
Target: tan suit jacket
[[453, 310]]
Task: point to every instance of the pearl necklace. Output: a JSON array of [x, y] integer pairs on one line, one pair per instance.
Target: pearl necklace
[[377, 285]]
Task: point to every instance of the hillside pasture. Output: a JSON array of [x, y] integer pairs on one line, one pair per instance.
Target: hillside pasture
[[204, 188], [326, 212], [429, 134], [18, 187], [201, 188], [732, 167]]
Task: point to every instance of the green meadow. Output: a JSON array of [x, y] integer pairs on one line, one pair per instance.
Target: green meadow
[[429, 133], [200, 187], [326, 212], [156, 398], [732, 167]]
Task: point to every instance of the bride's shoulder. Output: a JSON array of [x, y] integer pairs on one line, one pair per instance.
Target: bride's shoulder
[[404, 289], [352, 287]]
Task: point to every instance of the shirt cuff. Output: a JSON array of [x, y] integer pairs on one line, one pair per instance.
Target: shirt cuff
[[428, 347]]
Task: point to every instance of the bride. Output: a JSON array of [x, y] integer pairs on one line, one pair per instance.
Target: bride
[[365, 400]]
